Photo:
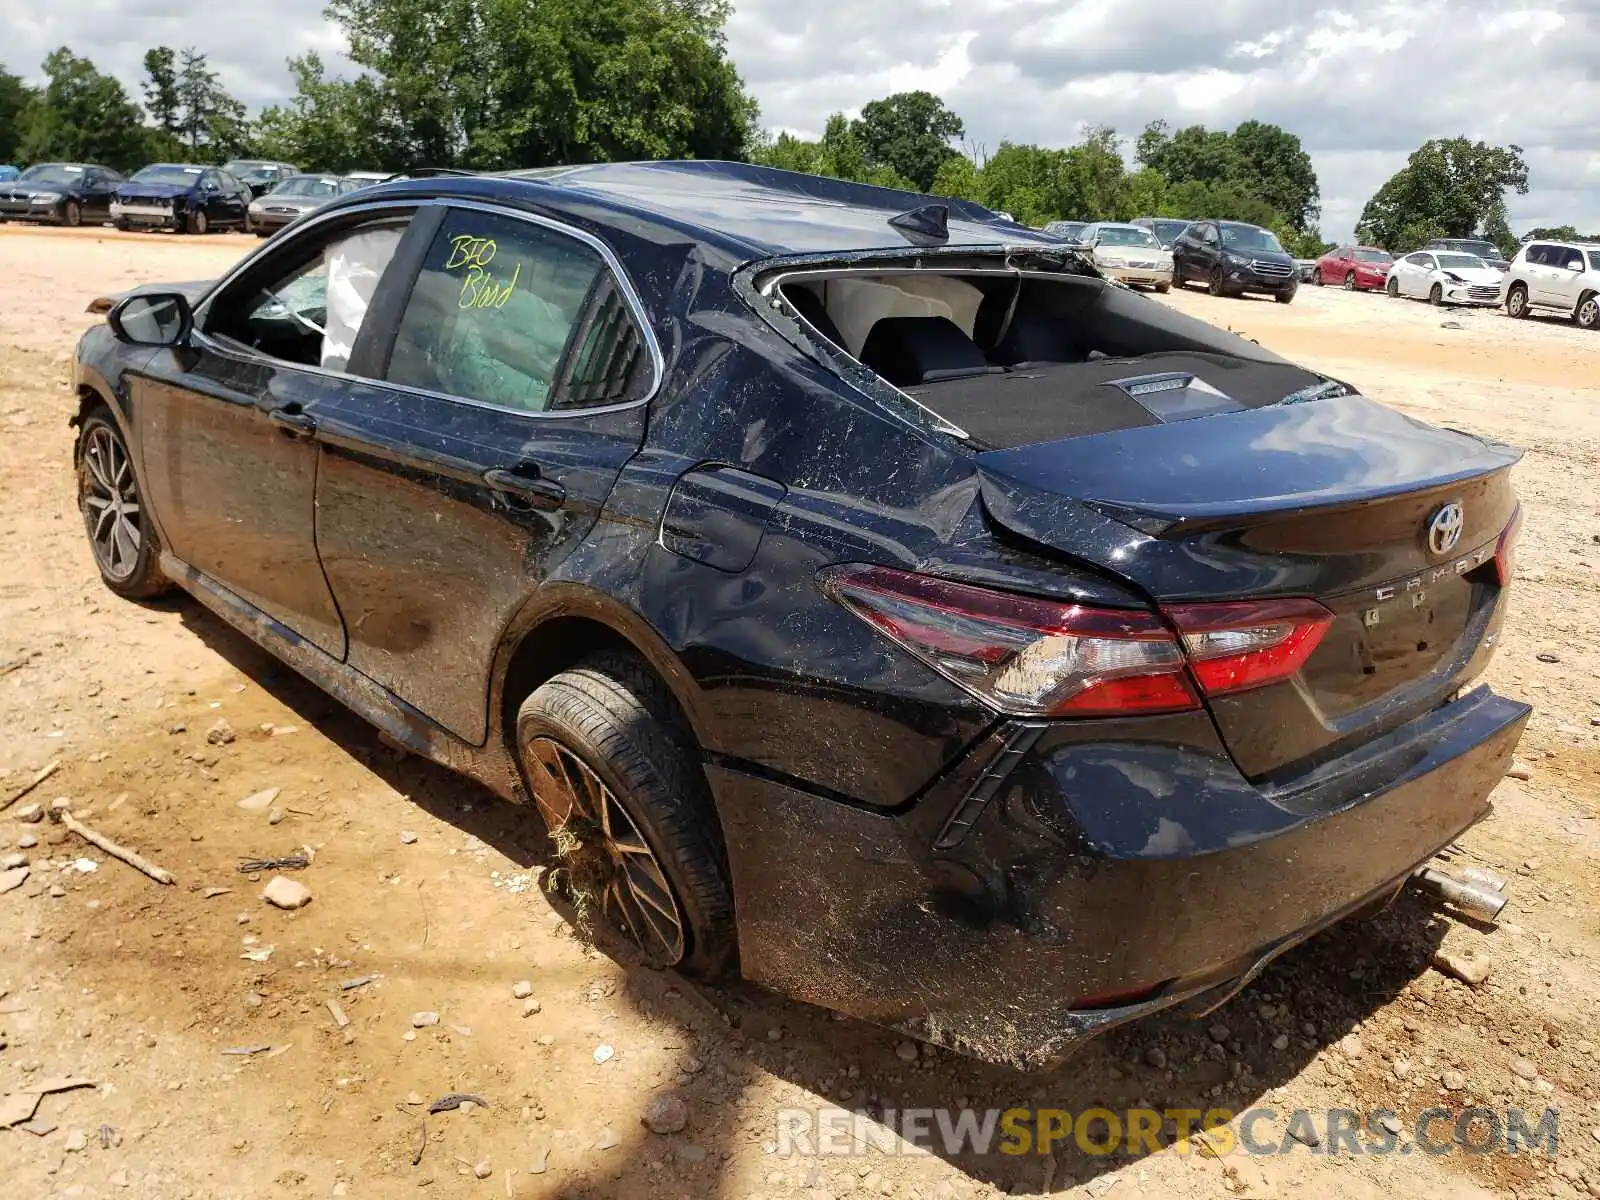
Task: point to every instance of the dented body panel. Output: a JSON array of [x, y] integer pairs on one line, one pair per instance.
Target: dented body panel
[[897, 848]]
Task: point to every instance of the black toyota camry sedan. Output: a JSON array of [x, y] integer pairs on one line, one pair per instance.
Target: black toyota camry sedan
[[873, 600]]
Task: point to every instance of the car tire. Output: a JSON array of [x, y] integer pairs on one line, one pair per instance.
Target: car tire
[[1283, 297], [124, 545], [609, 727], [1587, 314], [1316, 278], [1163, 288], [1215, 284], [121, 226], [1517, 301], [71, 214], [196, 223], [1436, 295], [1349, 281], [1392, 287]]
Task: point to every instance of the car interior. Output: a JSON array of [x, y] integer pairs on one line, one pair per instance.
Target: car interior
[[1014, 358]]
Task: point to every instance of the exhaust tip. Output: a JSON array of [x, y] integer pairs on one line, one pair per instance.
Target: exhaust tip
[[1475, 899]]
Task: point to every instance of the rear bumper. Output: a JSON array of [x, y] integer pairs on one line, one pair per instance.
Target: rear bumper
[[1095, 868]]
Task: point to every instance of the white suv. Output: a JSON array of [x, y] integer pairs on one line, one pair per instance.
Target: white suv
[[1562, 275]]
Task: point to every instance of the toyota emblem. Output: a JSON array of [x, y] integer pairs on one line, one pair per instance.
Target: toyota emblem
[[1444, 529]]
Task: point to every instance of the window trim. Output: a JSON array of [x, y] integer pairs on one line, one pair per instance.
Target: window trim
[[397, 206]]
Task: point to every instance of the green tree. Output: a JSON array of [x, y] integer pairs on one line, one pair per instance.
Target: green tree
[[958, 177], [1193, 154], [1555, 233], [1094, 181], [81, 116], [1273, 166], [1449, 187], [210, 121], [910, 133], [15, 98], [509, 83], [331, 124], [161, 96]]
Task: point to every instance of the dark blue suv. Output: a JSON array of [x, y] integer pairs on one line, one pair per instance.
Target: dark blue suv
[[868, 597]]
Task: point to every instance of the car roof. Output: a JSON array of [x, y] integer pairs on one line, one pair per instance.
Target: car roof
[[181, 166], [1118, 225], [747, 211], [1240, 225]]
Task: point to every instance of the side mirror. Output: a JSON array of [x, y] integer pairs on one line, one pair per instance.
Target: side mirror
[[1575, 264], [155, 319]]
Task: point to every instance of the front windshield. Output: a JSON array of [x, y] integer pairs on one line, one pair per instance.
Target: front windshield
[[1461, 262], [1374, 256], [1115, 235], [308, 185], [1248, 237], [51, 173], [165, 173]]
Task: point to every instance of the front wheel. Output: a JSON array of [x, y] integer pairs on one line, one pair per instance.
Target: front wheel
[[1349, 281], [114, 516], [1163, 288], [1215, 284], [121, 225], [196, 222], [1587, 315], [1436, 295], [71, 214], [1393, 288], [1283, 297], [1517, 302], [1316, 278], [617, 779]]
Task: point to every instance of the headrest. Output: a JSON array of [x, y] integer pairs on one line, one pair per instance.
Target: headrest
[[912, 350]]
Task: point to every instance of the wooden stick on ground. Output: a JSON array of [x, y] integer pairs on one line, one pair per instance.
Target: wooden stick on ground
[[121, 853], [43, 773]]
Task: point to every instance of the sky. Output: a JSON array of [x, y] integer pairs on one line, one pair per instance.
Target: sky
[[1362, 82]]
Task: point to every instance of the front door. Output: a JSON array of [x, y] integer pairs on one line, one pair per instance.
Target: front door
[[510, 399], [227, 429]]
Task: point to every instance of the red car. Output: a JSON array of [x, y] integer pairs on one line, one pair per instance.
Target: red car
[[1354, 267]]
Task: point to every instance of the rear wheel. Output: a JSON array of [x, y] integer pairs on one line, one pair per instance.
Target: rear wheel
[[617, 779], [1215, 284], [1393, 288], [1587, 315], [1436, 295], [1517, 301], [114, 516], [1349, 281], [71, 214]]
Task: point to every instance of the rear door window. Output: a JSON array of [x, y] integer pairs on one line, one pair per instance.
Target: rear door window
[[495, 310], [1539, 254]]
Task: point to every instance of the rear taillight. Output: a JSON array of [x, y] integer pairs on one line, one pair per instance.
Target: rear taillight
[[1023, 656], [1505, 550], [1234, 647], [1030, 657]]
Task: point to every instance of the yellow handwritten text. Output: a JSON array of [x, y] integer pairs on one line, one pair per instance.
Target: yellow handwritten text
[[480, 289], [469, 251]]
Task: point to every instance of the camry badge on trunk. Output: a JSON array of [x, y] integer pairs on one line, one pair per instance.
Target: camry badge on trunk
[[1444, 529]]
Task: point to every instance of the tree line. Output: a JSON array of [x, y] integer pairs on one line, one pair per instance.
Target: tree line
[[495, 84]]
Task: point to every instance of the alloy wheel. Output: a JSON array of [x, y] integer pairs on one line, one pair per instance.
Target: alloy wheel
[[600, 843], [1588, 315], [1517, 303], [110, 503], [1350, 281], [1393, 286]]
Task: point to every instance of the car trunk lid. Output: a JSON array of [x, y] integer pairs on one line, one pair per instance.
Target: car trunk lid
[[1335, 499]]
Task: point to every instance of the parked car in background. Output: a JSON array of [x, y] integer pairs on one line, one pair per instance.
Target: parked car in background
[[1445, 277], [742, 615], [1129, 253], [1166, 229], [1355, 268], [293, 198], [1067, 231], [1564, 276], [1232, 258], [1481, 247], [181, 197], [260, 175], [60, 193], [368, 178], [1307, 268], [8, 172]]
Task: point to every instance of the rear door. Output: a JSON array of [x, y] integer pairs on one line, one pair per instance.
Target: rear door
[[507, 400], [1539, 274], [1567, 277]]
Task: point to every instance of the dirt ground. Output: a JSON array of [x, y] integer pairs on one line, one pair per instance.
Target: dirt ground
[[429, 891]]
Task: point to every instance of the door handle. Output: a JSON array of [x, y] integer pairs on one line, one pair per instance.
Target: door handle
[[540, 492], [292, 420]]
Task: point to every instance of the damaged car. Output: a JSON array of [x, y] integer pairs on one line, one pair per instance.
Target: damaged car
[[871, 599]]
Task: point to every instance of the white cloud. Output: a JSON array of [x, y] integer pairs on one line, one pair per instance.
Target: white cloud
[[1363, 82]]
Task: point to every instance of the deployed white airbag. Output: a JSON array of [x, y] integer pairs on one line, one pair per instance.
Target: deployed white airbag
[[354, 264]]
